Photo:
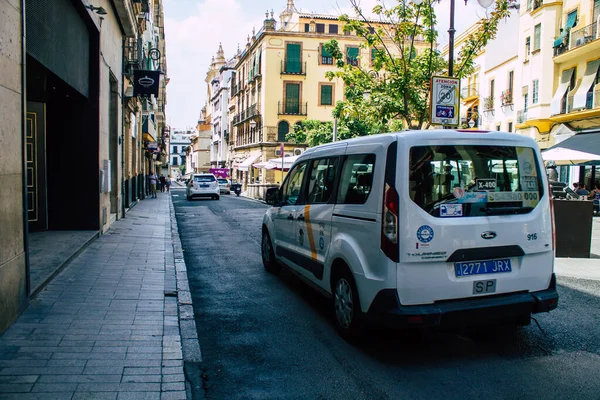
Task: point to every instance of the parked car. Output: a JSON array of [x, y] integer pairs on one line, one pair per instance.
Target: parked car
[[418, 229], [224, 185], [203, 185]]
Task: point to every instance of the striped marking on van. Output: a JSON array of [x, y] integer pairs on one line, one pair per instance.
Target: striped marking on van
[[311, 237]]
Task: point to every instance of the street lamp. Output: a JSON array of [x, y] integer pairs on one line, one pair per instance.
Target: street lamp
[[451, 30]]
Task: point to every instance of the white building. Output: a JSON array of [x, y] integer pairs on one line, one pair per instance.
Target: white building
[[219, 105], [179, 141]]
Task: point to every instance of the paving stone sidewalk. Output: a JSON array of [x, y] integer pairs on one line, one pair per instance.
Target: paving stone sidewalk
[[108, 326]]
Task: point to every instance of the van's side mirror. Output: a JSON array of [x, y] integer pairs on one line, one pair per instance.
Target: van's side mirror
[[272, 197]]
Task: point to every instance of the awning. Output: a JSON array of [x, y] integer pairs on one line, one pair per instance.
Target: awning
[[580, 98], [570, 23], [470, 104], [569, 156], [245, 165], [565, 81], [148, 137], [588, 143]]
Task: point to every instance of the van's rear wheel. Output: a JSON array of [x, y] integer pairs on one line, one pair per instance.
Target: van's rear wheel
[[348, 316], [268, 255]]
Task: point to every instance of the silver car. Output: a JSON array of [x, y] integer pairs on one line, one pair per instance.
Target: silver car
[[224, 185], [203, 185]]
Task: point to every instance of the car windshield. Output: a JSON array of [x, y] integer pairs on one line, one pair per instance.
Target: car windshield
[[204, 178], [468, 181], [222, 181]]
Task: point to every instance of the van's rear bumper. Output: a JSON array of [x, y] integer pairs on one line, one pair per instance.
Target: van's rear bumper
[[387, 310]]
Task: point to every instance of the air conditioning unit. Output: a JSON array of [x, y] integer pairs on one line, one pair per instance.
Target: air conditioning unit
[[298, 151], [579, 42], [278, 153], [288, 154]]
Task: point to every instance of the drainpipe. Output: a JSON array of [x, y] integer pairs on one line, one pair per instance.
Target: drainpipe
[[23, 156]]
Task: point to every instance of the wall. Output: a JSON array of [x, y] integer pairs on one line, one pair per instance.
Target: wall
[[13, 287]]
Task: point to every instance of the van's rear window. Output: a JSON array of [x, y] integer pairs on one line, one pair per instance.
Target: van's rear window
[[469, 181]]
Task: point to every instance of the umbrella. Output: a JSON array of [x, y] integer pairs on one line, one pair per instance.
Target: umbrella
[[568, 156]]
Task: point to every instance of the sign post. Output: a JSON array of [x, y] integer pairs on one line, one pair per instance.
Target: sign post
[[445, 101]]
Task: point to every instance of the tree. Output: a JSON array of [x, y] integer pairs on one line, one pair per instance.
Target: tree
[[393, 90]]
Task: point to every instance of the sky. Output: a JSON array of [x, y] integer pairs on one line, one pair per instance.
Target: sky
[[194, 29]]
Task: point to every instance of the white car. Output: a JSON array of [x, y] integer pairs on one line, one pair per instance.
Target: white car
[[224, 185], [418, 229], [203, 185]]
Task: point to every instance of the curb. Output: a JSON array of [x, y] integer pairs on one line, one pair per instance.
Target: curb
[[177, 285]]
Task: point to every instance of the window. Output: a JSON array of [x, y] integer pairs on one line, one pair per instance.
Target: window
[[204, 178], [326, 94], [352, 56], [474, 180], [333, 29], [510, 126], [529, 4], [320, 28], [498, 127], [526, 102], [536, 88], [537, 37], [373, 54], [492, 87], [356, 179], [292, 98], [283, 128], [322, 178], [293, 184], [306, 27], [174, 150], [511, 81], [293, 58], [326, 58], [528, 45], [175, 161]]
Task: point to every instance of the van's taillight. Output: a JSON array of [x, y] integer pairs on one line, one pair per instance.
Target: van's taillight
[[389, 224], [552, 221]]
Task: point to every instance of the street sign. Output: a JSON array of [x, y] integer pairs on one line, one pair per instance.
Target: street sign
[[445, 101]]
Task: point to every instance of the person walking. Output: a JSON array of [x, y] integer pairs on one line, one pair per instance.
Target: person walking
[[168, 183], [153, 181], [163, 182]]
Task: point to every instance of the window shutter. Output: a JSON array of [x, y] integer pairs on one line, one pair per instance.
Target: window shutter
[[293, 58], [326, 95], [352, 55], [292, 98]]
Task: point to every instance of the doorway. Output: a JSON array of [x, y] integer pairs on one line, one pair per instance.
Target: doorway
[[35, 154]]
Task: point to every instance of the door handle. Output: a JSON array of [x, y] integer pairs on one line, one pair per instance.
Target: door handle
[[300, 217], [290, 217]]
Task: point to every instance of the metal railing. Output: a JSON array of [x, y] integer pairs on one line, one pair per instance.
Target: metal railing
[[288, 68], [471, 90], [292, 107], [521, 116], [583, 36], [488, 103]]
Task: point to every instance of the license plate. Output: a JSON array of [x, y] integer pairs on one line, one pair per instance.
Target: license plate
[[481, 287], [203, 186], [482, 267]]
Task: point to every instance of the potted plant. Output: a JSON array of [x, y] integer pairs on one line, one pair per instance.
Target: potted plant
[[488, 103]]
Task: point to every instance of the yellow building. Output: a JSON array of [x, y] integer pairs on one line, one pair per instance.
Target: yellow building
[[278, 81]]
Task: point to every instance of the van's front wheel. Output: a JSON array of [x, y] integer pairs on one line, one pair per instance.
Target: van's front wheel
[[268, 255], [348, 316]]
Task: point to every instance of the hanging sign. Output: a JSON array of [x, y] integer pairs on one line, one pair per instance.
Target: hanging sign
[[145, 83], [445, 101]]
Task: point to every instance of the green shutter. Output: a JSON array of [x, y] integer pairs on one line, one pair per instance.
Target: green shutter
[[293, 58], [352, 53], [326, 95], [292, 98], [373, 53]]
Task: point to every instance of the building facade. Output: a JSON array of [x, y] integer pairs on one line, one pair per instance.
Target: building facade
[[179, 141], [67, 122]]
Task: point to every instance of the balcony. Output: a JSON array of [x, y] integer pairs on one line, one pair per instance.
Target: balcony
[[250, 112], [288, 68], [469, 92], [507, 100], [521, 116], [488, 105], [581, 42], [292, 107]]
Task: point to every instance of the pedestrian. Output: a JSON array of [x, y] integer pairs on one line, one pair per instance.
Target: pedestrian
[[153, 181], [163, 182], [581, 190], [595, 196], [168, 183]]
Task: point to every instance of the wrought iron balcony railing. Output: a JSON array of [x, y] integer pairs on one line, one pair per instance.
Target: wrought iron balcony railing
[[292, 107], [583, 36], [471, 90], [293, 68]]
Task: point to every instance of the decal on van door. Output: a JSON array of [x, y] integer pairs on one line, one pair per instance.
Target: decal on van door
[[425, 234]]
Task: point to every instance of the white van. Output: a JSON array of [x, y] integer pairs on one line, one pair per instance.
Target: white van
[[418, 228]]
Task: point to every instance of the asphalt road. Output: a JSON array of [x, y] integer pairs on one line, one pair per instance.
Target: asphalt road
[[269, 337]]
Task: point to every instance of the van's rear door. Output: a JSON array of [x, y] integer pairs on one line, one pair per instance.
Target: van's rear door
[[475, 220]]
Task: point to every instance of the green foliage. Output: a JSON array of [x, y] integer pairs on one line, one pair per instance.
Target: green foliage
[[392, 91]]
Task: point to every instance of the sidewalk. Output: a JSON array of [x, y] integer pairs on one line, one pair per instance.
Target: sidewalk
[[110, 325]]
